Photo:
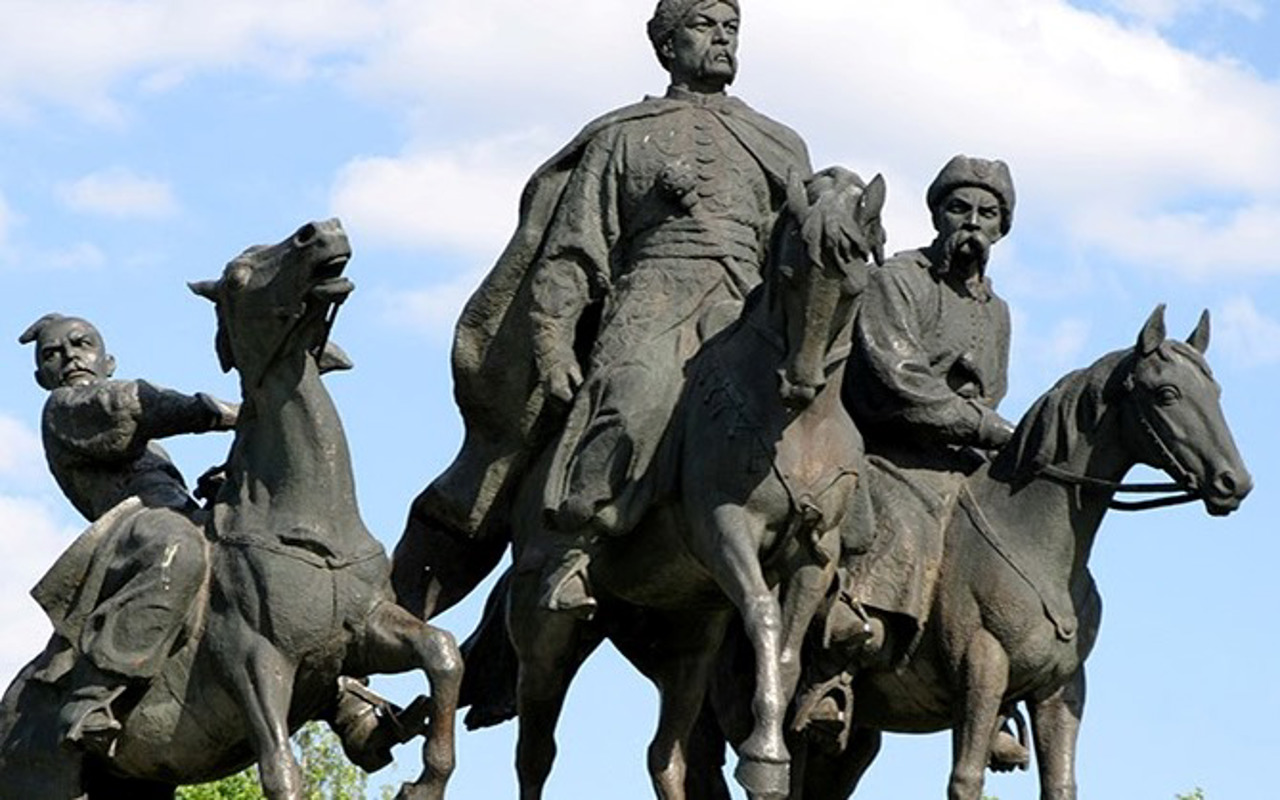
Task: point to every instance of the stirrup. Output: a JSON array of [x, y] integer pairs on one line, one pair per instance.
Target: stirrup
[[838, 690], [96, 728], [567, 590]]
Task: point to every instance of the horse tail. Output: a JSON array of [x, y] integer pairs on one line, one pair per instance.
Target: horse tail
[[489, 681], [435, 564]]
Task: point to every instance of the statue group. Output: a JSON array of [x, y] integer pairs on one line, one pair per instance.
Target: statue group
[[711, 423]]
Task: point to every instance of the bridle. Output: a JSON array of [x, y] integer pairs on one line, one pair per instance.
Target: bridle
[[1181, 491]]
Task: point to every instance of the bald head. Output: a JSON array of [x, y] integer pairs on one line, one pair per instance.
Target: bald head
[[69, 351]]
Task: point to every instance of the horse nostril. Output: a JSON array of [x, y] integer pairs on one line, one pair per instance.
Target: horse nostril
[[305, 235], [1225, 483]]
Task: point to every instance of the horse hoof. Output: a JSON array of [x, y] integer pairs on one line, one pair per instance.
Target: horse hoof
[[764, 780], [417, 791]]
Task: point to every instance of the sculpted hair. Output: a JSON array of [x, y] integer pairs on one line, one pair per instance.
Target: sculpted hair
[[34, 329]]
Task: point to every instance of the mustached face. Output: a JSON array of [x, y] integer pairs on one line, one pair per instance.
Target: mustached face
[[70, 352], [702, 54], [968, 223]]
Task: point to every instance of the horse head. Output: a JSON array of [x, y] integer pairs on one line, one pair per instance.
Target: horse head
[[275, 299], [1173, 419], [830, 228]]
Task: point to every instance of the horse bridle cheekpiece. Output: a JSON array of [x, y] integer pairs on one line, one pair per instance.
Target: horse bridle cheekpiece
[[1183, 490]]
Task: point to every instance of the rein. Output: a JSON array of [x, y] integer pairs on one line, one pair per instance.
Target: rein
[[295, 318], [1176, 493], [1069, 478]]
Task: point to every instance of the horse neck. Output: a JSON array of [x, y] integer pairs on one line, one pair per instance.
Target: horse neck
[[290, 458], [1055, 520], [770, 319]]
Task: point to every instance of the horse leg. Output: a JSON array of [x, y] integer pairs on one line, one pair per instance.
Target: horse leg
[[397, 641], [729, 550], [682, 682], [803, 593], [835, 776], [551, 648], [985, 672], [1055, 722], [264, 683]]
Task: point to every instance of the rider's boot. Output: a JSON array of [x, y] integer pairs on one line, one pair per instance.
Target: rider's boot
[[565, 584], [847, 625], [87, 720], [1009, 751], [369, 725]]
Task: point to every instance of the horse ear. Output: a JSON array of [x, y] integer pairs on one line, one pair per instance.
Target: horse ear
[[1153, 333], [206, 289], [1199, 338], [872, 201]]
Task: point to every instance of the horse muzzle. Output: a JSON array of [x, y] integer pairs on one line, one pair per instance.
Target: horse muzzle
[[1226, 492], [798, 392]]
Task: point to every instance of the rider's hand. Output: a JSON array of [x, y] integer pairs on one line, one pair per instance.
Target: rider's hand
[[562, 378], [994, 431], [224, 414], [210, 482]]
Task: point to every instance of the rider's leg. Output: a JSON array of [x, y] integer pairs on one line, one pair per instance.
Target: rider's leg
[[154, 574]]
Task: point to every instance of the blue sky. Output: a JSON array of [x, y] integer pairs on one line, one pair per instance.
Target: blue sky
[[142, 145]]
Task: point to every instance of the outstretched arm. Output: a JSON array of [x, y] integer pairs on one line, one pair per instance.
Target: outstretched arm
[[115, 419]]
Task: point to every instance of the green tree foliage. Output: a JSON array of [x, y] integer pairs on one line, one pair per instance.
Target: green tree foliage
[[1194, 794], [326, 773]]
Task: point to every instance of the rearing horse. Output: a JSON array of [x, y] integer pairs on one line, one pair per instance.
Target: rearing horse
[[298, 590], [766, 456]]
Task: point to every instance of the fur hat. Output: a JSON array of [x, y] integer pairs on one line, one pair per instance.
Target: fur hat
[[992, 175]]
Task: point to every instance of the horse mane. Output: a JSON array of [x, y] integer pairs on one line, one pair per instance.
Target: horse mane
[[1065, 414], [1074, 407]]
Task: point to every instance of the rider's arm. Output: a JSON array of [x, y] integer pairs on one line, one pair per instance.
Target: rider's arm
[[899, 383], [573, 270], [114, 420]]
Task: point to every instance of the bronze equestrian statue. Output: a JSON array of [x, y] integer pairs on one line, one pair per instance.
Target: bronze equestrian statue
[[1014, 610], [766, 457], [637, 243], [283, 538]]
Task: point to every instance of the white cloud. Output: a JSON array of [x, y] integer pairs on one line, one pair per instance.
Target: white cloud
[[119, 192], [1107, 126], [19, 448], [1042, 356], [1249, 337], [33, 539], [76, 52], [1165, 12], [434, 310], [462, 199]]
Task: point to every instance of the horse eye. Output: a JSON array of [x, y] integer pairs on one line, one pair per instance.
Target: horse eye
[[238, 276], [1168, 395]]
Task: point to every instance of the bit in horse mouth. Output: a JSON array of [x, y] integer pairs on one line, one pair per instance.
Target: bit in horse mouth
[[331, 268]]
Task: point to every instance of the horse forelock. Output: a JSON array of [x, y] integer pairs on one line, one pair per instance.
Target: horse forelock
[[831, 222], [1173, 347], [1064, 415]]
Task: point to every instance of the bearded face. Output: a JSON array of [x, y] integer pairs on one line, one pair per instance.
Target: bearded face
[[968, 223]]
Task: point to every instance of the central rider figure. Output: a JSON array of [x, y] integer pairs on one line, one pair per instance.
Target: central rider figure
[[664, 222]]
